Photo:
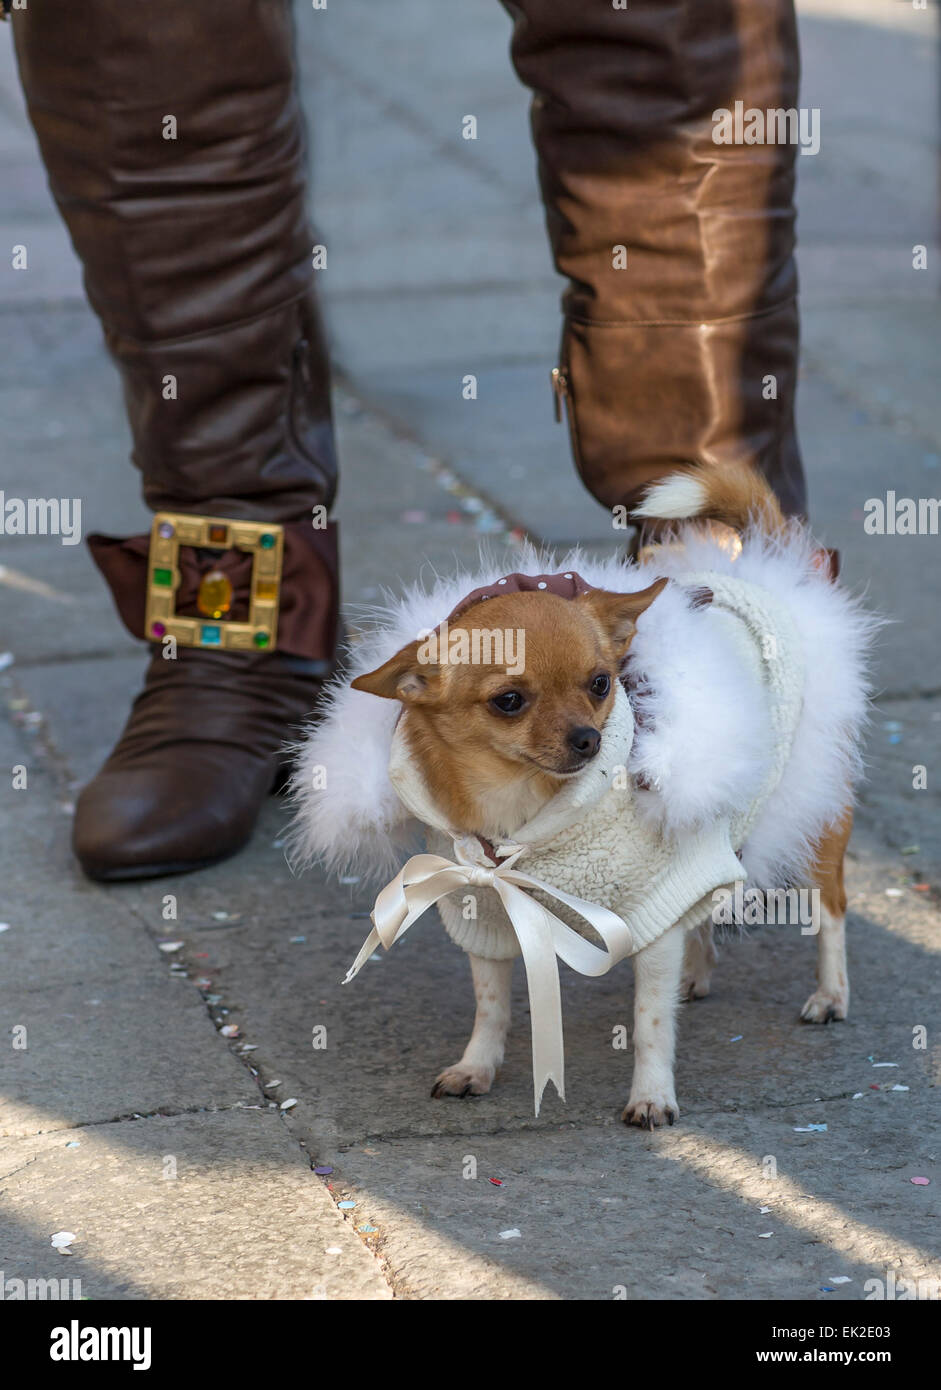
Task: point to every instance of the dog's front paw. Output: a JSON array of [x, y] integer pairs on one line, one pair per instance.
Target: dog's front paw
[[824, 1006], [649, 1113], [464, 1079]]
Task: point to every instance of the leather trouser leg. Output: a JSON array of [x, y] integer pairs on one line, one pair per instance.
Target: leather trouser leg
[[681, 331], [173, 141]]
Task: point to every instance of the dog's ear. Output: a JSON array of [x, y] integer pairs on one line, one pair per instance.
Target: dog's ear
[[618, 613], [404, 677]]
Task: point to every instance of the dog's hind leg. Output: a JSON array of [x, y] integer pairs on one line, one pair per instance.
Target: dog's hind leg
[[830, 1000], [473, 1074], [701, 957]]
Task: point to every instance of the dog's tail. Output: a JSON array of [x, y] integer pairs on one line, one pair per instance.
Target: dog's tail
[[734, 494]]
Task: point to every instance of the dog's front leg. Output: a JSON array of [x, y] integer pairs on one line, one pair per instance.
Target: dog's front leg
[[658, 970], [473, 1074]]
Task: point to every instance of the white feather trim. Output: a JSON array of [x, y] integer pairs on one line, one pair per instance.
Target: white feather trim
[[703, 736]]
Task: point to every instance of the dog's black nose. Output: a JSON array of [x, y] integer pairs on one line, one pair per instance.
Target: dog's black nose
[[584, 741]]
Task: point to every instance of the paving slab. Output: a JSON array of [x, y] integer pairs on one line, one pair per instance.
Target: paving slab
[[206, 1206]]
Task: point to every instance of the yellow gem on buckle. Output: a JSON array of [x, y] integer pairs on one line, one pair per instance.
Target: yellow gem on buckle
[[264, 541], [215, 594]]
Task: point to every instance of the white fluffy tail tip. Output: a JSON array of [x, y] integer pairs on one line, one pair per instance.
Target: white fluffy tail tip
[[676, 498]]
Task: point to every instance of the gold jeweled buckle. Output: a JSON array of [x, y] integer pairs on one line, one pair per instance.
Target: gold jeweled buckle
[[265, 541]]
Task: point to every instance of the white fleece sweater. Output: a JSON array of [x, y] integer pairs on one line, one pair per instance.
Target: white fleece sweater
[[592, 839]]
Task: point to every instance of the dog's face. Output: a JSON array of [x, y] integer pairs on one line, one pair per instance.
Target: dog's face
[[522, 682]]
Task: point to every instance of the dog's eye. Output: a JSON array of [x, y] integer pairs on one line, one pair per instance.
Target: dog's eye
[[600, 686], [510, 702]]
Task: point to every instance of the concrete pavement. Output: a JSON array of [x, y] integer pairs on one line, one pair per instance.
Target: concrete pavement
[[128, 1118]]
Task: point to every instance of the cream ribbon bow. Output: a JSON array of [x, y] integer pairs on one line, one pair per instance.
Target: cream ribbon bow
[[542, 936]]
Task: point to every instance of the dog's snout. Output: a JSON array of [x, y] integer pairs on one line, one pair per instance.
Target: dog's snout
[[584, 740]]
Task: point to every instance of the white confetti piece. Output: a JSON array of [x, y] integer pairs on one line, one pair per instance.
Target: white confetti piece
[[858, 1095], [289, 1104], [765, 1235], [511, 1235], [885, 1064], [4, 926], [894, 893], [230, 1030], [899, 1088], [763, 1211], [841, 1279], [170, 945], [334, 1250], [61, 1240]]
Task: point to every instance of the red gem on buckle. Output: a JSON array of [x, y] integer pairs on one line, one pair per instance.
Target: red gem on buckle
[[218, 534]]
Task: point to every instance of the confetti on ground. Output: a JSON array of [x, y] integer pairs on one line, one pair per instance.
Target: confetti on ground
[[4, 926], [270, 1085], [920, 1182], [367, 1230], [346, 1206], [858, 1095], [230, 1030], [220, 916], [6, 659], [324, 1170], [62, 1240], [334, 1250], [515, 1234], [74, 1144], [885, 1064], [765, 1235], [170, 945], [825, 1288], [894, 893], [738, 1037], [921, 887], [763, 1211], [203, 983], [250, 1047], [298, 940], [497, 1182], [899, 1088], [810, 1129], [910, 849], [289, 1104], [841, 1279]]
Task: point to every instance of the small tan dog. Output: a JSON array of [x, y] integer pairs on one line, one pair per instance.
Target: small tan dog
[[494, 748]]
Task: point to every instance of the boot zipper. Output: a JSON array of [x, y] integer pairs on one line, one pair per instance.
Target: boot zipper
[[560, 392]]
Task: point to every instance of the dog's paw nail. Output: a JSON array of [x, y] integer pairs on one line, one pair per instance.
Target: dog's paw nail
[[823, 1008], [650, 1114], [463, 1080]]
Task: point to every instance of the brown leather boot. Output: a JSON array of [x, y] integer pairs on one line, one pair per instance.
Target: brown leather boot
[[174, 147], [681, 332]]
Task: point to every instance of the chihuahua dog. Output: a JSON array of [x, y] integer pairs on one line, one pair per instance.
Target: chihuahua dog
[[494, 747]]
